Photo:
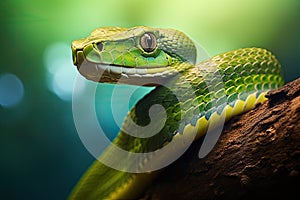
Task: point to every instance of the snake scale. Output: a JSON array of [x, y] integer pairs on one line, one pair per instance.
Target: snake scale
[[193, 95]]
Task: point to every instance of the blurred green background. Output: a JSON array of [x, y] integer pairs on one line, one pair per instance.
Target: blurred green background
[[41, 155]]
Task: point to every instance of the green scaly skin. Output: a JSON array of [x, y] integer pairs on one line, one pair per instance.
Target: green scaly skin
[[225, 85]]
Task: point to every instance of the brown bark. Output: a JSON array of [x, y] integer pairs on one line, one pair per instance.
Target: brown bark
[[257, 156]]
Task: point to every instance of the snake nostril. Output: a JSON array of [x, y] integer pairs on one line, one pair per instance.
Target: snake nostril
[[100, 46]]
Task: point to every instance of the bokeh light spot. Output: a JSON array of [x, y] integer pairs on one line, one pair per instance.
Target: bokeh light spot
[[60, 70], [11, 90]]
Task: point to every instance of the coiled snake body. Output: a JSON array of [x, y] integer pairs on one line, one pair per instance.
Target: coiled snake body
[[191, 97]]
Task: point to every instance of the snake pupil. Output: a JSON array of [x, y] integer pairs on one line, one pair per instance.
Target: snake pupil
[[100, 46], [148, 42]]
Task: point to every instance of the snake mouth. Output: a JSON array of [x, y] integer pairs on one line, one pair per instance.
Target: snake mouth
[[109, 73]]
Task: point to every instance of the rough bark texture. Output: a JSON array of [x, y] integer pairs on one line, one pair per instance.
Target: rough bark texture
[[257, 156]]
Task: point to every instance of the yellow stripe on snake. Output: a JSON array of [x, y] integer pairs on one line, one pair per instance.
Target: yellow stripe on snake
[[188, 99]]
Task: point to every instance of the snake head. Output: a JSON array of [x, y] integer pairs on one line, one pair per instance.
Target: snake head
[[138, 55]]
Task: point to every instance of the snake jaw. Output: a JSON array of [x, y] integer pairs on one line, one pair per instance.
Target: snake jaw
[[125, 75]]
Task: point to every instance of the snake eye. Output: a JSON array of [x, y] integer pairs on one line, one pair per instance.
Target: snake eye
[[148, 42], [100, 46]]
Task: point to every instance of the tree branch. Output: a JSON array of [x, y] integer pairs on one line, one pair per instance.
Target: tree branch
[[257, 156]]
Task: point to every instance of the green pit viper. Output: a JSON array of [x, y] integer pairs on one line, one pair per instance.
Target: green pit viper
[[193, 95]]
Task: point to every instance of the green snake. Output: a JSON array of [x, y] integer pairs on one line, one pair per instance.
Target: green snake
[[194, 96]]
